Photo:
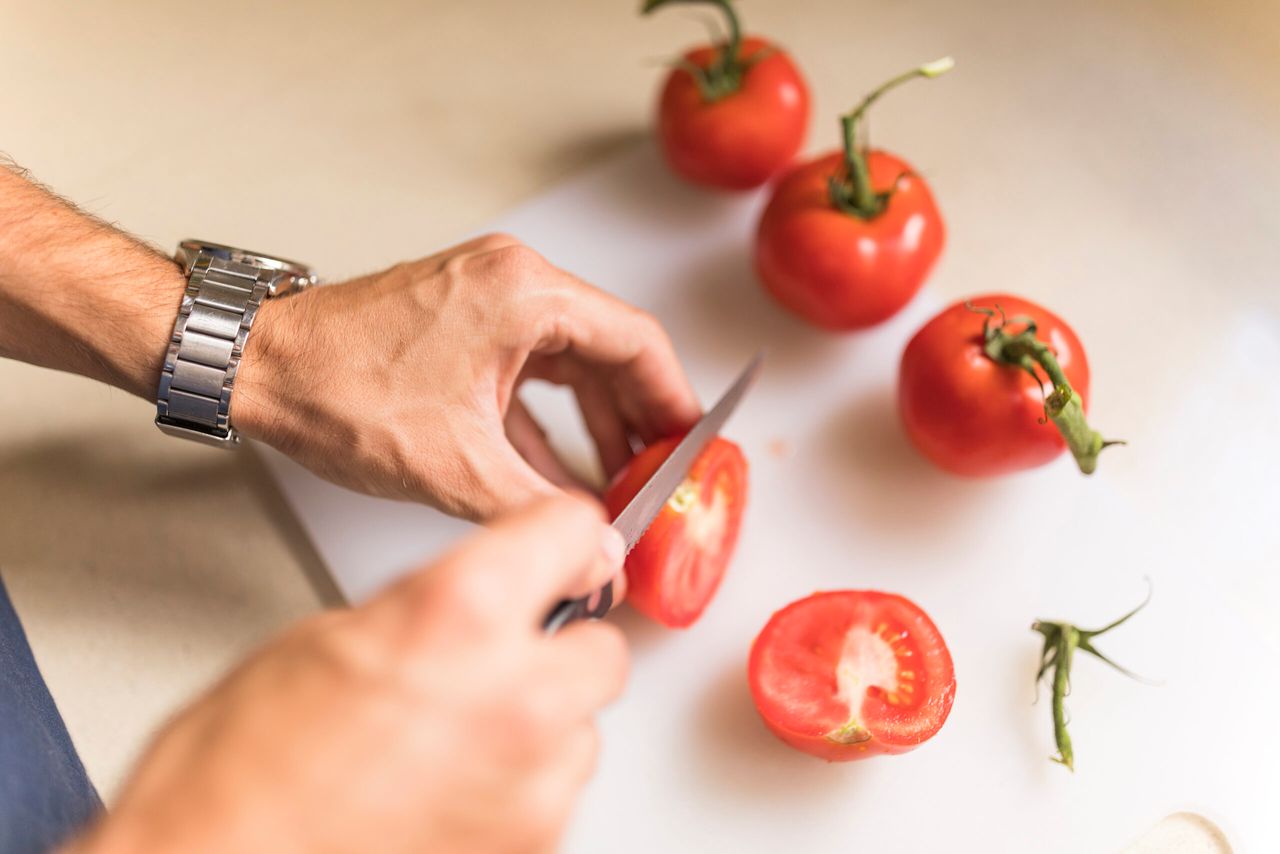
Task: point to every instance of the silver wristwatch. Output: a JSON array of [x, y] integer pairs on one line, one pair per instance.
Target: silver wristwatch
[[225, 287]]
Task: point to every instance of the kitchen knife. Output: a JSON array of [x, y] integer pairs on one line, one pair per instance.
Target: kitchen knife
[[636, 517]]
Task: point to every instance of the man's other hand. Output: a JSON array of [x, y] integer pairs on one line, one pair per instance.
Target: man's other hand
[[437, 717]]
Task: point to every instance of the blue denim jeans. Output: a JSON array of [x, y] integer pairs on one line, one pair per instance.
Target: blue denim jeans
[[45, 795]]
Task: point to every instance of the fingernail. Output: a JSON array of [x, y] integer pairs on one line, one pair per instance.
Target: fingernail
[[613, 546]]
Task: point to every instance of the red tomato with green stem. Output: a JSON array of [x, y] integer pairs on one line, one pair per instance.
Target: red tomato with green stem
[[997, 384], [731, 115], [848, 239], [676, 568], [850, 674]]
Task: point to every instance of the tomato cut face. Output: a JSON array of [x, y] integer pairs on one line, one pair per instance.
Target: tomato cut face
[[675, 569], [850, 674]]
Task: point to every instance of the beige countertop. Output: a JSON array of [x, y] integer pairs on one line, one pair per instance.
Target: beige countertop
[[143, 566]]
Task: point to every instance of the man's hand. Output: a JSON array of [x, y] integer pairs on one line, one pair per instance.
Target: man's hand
[[403, 383], [437, 717]]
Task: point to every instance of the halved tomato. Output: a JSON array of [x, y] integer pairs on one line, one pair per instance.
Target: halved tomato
[[675, 569], [852, 673]]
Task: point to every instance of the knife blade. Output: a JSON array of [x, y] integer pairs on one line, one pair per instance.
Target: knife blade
[[644, 507]]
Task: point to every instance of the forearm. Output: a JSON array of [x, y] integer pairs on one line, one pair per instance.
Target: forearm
[[79, 295]]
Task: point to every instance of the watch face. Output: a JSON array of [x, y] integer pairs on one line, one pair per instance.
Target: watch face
[[298, 275]]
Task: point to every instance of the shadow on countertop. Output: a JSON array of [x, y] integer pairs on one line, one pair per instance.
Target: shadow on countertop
[[146, 521]]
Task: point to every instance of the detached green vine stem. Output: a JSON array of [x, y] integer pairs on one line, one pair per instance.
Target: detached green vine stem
[[854, 194], [1062, 405], [1061, 640], [724, 76]]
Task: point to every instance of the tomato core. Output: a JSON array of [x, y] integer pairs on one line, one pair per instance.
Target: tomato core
[[868, 668]]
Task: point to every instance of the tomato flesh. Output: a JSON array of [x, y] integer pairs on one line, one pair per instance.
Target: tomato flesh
[[836, 270], [674, 571], [744, 138], [971, 416], [849, 674]]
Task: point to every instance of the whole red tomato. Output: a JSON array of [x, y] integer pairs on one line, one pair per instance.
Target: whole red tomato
[[848, 239], [837, 270], [675, 569], [969, 402], [850, 674], [732, 115]]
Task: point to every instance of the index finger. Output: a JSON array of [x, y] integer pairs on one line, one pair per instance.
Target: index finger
[[601, 329], [524, 563]]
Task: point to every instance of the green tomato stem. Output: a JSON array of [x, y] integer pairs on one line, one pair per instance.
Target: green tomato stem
[[855, 195], [1062, 405], [862, 196], [1067, 640], [724, 77], [1061, 640]]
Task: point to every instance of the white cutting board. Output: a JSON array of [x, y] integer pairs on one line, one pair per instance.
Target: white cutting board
[[848, 504]]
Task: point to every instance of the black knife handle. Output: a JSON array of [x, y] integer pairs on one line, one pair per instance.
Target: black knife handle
[[579, 609]]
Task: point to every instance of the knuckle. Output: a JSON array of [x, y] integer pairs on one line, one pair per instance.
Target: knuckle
[[516, 260], [496, 240], [565, 304], [492, 249], [650, 329], [401, 271], [555, 310], [456, 265]]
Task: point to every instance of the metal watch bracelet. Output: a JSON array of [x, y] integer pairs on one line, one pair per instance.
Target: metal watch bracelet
[[225, 288]]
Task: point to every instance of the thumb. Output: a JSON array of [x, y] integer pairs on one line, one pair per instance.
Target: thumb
[[499, 481]]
